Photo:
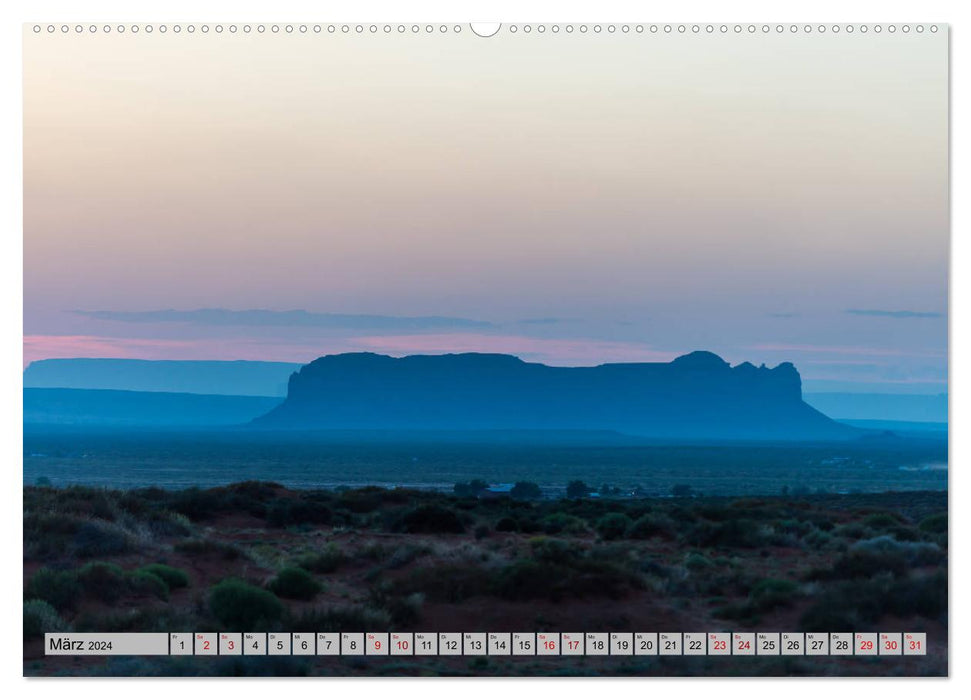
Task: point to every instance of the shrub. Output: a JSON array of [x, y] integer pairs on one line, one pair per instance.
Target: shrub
[[552, 550], [173, 577], [613, 526], [326, 561], [526, 491], [650, 525], [770, 593], [59, 588], [740, 532], [101, 539], [40, 617], [103, 581], [430, 518], [469, 489], [697, 562], [242, 606], [145, 583], [934, 524], [295, 583], [446, 583], [856, 604], [577, 489], [555, 523]]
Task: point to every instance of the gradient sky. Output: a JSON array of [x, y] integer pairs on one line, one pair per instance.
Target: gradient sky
[[572, 199]]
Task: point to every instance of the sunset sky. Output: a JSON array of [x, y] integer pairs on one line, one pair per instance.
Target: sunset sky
[[571, 199]]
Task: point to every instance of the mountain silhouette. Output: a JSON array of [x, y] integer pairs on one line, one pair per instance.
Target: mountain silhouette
[[697, 396]]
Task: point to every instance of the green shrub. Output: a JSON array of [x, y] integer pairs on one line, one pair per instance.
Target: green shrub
[[697, 562], [103, 581], [102, 539], [242, 606], [650, 525], [40, 617], [446, 583], [326, 561], [173, 577], [59, 588], [552, 550], [295, 583], [526, 491], [430, 518], [613, 526], [934, 524], [555, 523], [144, 583], [770, 593]]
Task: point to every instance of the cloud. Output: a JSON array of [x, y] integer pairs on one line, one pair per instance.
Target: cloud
[[784, 315], [894, 314], [846, 350], [293, 318], [541, 321]]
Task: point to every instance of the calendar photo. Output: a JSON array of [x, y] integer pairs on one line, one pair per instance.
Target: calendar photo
[[450, 349]]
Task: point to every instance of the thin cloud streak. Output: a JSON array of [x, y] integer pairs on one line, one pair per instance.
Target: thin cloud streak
[[883, 313], [291, 318]]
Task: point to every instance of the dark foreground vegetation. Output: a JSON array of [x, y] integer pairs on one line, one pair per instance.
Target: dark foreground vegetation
[[256, 556]]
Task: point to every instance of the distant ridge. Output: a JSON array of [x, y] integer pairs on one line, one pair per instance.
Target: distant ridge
[[696, 396], [233, 378]]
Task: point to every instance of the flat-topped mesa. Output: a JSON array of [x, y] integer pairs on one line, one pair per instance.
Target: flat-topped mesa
[[696, 396]]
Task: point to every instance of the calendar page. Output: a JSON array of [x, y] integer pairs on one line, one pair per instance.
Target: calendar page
[[395, 349]]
